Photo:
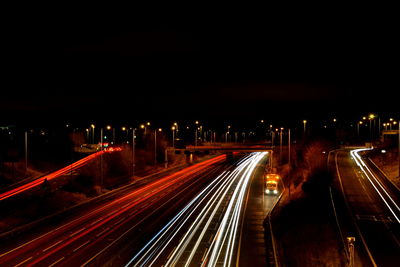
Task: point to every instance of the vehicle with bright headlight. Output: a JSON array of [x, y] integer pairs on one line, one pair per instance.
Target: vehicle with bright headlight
[[271, 183]]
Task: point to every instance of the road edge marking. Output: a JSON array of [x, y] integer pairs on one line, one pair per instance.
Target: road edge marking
[[351, 213]]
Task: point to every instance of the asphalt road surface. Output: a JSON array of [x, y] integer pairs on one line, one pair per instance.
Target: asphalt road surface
[[208, 230], [374, 205], [99, 235]]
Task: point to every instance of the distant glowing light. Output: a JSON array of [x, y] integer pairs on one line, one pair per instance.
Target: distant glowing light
[[108, 127]]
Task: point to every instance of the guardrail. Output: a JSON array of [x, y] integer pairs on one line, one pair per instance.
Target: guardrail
[[59, 214], [274, 261]]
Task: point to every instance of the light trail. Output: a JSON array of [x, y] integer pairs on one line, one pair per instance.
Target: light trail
[[119, 211], [389, 202], [223, 197], [55, 174]]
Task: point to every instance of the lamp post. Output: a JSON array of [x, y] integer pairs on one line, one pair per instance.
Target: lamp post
[[26, 151], [371, 117], [127, 132], [195, 134], [280, 145], [92, 126], [358, 128], [101, 158], [173, 136], [304, 127], [195, 137], [144, 126], [227, 134], [289, 148], [133, 151], [155, 145]]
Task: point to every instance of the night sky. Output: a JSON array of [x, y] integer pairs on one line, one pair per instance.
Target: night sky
[[121, 64]]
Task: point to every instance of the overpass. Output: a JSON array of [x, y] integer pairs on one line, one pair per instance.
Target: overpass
[[224, 147]]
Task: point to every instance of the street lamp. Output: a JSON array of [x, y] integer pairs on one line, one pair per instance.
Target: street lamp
[[133, 151], [195, 133], [280, 145], [358, 128], [399, 147], [113, 132], [87, 135], [304, 128], [155, 145], [173, 136], [92, 126], [127, 133], [370, 117], [26, 152]]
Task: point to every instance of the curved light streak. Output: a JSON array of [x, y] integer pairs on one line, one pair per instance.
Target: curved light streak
[[197, 216], [371, 178]]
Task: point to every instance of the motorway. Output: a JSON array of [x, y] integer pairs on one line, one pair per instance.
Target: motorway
[[100, 235], [39, 181], [374, 206], [208, 230]]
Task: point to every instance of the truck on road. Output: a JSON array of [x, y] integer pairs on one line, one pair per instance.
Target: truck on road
[[271, 181]]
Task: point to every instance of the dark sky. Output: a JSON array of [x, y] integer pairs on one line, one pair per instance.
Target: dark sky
[[133, 63]]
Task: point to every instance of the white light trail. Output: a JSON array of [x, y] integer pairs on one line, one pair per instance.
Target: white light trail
[[223, 197], [371, 177]]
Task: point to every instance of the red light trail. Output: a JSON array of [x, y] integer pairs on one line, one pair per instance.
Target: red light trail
[[55, 174]]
